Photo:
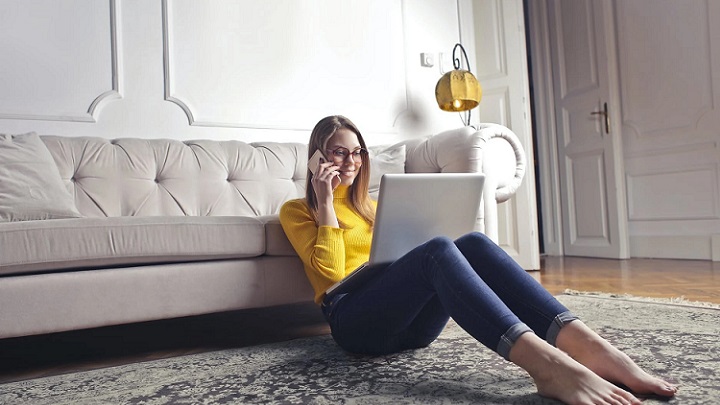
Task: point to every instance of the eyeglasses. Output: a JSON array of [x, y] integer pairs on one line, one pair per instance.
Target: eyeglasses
[[340, 154]]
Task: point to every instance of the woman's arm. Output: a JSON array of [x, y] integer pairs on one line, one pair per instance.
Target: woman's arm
[[321, 248]]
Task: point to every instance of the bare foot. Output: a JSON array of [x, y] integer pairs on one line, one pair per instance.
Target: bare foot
[[605, 360], [558, 376]]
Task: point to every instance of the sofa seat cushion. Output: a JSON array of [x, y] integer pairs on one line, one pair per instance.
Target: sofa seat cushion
[[40, 246], [276, 243]]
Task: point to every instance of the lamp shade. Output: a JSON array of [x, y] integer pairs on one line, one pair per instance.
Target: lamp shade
[[458, 90]]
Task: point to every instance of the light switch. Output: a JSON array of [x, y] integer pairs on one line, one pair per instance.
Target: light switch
[[427, 59]]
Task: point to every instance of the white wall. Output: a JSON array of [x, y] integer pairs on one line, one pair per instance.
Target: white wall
[[261, 71], [244, 70]]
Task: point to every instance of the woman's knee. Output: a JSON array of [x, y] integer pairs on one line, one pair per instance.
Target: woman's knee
[[439, 244], [477, 247], [439, 253], [474, 238], [440, 241]]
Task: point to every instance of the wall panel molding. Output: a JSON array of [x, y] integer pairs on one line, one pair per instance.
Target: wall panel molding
[[659, 150], [167, 70], [114, 92], [689, 194], [294, 67], [49, 93], [673, 247]]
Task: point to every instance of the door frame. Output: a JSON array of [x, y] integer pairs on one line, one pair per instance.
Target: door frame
[[543, 107]]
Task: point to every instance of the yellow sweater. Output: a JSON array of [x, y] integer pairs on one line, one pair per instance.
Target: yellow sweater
[[329, 254]]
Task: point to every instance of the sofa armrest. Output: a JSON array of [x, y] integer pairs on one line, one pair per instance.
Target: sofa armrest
[[504, 165], [503, 159], [492, 149], [455, 151]]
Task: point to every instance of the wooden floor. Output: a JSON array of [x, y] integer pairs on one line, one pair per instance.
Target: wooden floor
[[695, 280], [36, 356]]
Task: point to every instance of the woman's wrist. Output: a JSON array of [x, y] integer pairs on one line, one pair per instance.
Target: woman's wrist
[[327, 216]]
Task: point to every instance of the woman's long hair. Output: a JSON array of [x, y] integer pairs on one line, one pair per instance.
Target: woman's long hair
[[358, 193]]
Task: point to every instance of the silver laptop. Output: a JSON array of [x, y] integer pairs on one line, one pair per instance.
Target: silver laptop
[[414, 208]]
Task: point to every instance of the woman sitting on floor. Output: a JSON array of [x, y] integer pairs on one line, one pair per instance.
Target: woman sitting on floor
[[471, 279]]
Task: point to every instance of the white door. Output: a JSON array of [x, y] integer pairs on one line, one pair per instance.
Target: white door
[[493, 33], [594, 215]]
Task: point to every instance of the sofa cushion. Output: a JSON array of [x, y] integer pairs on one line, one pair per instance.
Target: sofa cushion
[[455, 151], [30, 184], [38, 246], [163, 177], [384, 159], [276, 243]]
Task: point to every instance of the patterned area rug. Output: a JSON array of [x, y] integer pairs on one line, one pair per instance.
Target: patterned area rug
[[678, 342]]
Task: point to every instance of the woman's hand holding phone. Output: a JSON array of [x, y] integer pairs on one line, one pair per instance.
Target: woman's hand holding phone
[[314, 161], [325, 175], [324, 180]]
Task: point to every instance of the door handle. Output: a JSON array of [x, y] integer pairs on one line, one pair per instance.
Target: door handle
[[605, 114]]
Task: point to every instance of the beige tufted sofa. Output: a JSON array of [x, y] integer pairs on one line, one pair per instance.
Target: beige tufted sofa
[[170, 228]]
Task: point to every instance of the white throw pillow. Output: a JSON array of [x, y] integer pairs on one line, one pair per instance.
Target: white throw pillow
[[384, 159], [30, 183]]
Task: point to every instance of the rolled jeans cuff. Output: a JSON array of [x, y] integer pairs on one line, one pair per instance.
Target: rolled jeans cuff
[[560, 320], [508, 339]]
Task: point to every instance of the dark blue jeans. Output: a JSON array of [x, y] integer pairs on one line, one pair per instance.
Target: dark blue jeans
[[472, 280]]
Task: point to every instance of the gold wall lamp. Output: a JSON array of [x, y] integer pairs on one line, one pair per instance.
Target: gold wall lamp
[[458, 90]]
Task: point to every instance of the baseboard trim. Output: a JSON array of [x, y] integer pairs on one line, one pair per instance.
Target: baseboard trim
[[676, 247]]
